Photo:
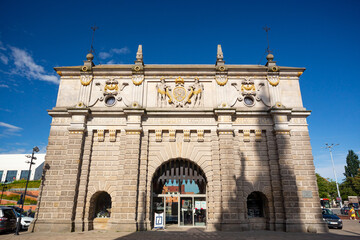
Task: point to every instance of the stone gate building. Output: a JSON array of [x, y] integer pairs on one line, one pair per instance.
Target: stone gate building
[[225, 147]]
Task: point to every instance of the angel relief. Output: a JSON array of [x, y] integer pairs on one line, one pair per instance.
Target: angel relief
[[179, 96]]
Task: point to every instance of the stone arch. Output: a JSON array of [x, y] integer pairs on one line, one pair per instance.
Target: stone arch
[[179, 169], [258, 210], [99, 206]]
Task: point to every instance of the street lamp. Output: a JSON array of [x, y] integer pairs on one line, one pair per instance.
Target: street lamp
[[332, 160], [22, 199]]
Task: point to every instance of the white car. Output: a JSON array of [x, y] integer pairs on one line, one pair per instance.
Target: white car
[[25, 221]]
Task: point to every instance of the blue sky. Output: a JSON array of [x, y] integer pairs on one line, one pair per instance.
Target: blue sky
[[322, 36]]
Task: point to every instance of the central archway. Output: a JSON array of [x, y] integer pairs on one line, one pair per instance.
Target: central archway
[[179, 194]]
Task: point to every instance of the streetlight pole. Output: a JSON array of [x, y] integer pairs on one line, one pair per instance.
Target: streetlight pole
[[330, 147], [35, 149]]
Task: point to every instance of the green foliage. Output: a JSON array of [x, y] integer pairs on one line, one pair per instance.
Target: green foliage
[[327, 187], [16, 197], [351, 185], [22, 184], [352, 164]]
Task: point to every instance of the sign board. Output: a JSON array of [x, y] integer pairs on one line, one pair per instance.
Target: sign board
[[338, 199], [203, 204], [159, 220], [307, 194], [197, 204]]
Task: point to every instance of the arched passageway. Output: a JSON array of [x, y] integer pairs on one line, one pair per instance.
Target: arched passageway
[[179, 194], [100, 210], [258, 210]]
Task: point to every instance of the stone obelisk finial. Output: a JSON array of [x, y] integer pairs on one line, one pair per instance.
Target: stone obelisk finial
[[139, 56], [219, 56]]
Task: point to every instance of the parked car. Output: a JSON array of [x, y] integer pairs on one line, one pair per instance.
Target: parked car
[[25, 220], [345, 210], [7, 219], [17, 209], [332, 220]]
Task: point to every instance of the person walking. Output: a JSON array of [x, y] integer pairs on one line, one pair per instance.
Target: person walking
[[352, 214], [29, 212]]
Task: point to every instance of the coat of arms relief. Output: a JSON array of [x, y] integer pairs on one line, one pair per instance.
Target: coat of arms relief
[[178, 95]]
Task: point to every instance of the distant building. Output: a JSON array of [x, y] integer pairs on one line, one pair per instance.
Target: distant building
[[14, 167]]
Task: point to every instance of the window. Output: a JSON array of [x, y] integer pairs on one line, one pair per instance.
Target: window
[[24, 174], [1, 174], [11, 176]]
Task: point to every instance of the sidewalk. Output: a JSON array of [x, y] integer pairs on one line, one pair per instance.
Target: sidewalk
[[351, 231]]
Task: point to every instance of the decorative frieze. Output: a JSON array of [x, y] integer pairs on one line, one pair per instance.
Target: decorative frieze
[[172, 134], [158, 135], [112, 135], [246, 135], [186, 135], [257, 135], [200, 135], [100, 135]]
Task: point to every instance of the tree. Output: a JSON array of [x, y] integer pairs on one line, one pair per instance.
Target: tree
[[352, 164], [327, 187]]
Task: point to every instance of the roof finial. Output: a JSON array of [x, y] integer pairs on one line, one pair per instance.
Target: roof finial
[[270, 56], [139, 56], [219, 56]]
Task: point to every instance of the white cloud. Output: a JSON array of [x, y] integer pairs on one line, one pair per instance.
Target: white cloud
[[2, 47], [4, 86], [26, 66], [9, 130], [124, 50], [104, 55], [4, 59], [120, 51]]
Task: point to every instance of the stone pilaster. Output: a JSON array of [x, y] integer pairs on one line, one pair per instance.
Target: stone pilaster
[[49, 207], [287, 174], [227, 174], [304, 169], [129, 169], [81, 219], [143, 219], [214, 187], [276, 186]]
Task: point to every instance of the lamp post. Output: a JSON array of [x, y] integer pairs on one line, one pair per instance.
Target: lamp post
[[330, 147], [22, 199]]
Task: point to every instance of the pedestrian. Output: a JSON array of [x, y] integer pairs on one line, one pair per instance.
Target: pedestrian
[[352, 214], [29, 212]]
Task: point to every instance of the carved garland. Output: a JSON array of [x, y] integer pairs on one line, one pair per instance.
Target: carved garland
[[273, 83], [87, 80], [248, 87], [137, 83], [221, 83], [111, 87]]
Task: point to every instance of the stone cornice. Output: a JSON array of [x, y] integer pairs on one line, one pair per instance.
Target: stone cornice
[[175, 70]]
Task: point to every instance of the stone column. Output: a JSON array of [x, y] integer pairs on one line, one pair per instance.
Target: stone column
[[125, 218], [81, 219], [143, 220], [276, 186], [227, 174], [72, 170], [287, 174], [214, 187]]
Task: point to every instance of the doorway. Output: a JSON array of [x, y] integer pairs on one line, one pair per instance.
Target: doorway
[[179, 194]]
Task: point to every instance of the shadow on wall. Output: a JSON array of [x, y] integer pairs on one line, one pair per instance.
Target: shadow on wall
[[266, 194]]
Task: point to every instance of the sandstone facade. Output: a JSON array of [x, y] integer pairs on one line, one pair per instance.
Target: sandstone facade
[[244, 125]]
